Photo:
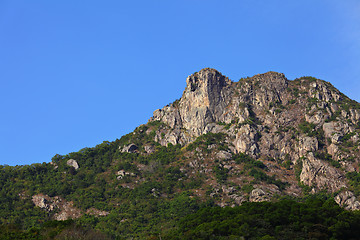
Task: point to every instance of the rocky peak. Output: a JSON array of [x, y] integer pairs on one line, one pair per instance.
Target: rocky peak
[[267, 116], [272, 78], [207, 81], [274, 81], [268, 87], [206, 95], [209, 98]]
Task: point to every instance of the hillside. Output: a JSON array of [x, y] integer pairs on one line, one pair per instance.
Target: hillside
[[261, 139]]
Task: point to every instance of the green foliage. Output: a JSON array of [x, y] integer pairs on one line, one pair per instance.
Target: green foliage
[[159, 197], [277, 110], [51, 230], [256, 169], [345, 139], [292, 101], [295, 92], [309, 78], [227, 125], [348, 104], [327, 157], [334, 116], [221, 173], [249, 161], [354, 181], [260, 176], [307, 128], [247, 188], [310, 130], [208, 139], [243, 158], [287, 164], [312, 100], [298, 168], [314, 218]]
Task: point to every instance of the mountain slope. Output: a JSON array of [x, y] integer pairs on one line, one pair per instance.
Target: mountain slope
[[223, 143], [304, 129]]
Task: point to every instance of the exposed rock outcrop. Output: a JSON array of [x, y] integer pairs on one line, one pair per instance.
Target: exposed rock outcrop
[[73, 163], [62, 209], [122, 173], [258, 195], [321, 175], [45, 202], [347, 200], [204, 100], [66, 210], [131, 148], [269, 117]]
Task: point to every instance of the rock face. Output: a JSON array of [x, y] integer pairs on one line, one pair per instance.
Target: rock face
[[258, 195], [206, 95], [321, 175], [66, 209], [73, 163], [62, 209], [43, 201], [131, 148], [270, 117], [122, 173], [210, 98], [308, 144], [347, 200]]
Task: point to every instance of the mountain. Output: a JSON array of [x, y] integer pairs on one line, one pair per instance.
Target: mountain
[[302, 131], [262, 139]]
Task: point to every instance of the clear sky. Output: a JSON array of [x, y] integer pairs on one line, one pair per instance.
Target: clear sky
[[76, 73]]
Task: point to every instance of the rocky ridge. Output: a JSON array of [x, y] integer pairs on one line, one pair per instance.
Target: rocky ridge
[[305, 124]]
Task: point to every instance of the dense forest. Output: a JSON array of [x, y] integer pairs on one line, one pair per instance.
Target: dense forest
[[315, 217]]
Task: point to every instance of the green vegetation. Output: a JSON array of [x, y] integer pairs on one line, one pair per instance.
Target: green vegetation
[[348, 104], [52, 230], [327, 157], [95, 185], [208, 139], [256, 170], [247, 188], [354, 181], [334, 116], [278, 106], [346, 139], [220, 173], [298, 168], [313, 218], [309, 78], [228, 125], [295, 92], [310, 130]]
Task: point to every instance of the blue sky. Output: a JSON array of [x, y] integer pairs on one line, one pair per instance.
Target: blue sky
[[73, 74]]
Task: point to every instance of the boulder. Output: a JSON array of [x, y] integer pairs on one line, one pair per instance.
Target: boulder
[[73, 163], [321, 175], [131, 148], [347, 200], [258, 195]]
